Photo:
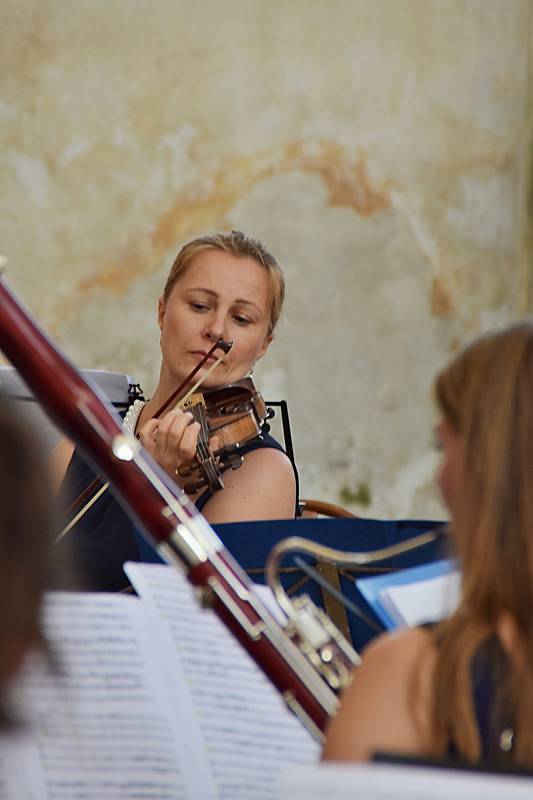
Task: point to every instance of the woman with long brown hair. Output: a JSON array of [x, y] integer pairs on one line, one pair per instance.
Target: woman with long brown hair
[[465, 687]]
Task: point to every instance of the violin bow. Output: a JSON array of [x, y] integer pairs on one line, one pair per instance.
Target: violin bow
[[220, 344], [175, 399]]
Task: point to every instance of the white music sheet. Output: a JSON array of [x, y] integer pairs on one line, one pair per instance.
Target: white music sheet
[[383, 782], [429, 600], [15, 766], [249, 734], [103, 729]]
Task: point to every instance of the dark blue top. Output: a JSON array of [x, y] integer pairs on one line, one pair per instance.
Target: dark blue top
[[495, 722], [105, 537]]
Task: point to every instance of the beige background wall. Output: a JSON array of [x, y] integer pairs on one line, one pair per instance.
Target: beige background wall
[[382, 149]]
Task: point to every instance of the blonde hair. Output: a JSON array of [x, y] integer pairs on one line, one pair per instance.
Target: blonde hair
[[242, 246], [486, 395]]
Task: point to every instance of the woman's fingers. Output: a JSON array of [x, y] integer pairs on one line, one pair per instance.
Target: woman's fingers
[[147, 434], [172, 439], [185, 443], [171, 429]]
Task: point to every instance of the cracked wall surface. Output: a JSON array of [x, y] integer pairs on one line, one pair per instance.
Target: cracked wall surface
[[382, 150]]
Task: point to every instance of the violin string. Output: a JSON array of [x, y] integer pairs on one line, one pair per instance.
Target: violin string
[[105, 486]]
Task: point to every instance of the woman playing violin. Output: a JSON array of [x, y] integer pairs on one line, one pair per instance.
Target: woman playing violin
[[227, 287], [465, 688]]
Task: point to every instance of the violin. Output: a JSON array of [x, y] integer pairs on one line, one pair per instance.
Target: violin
[[234, 413]]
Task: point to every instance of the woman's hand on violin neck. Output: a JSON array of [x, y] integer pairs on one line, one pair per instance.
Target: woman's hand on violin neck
[[171, 440]]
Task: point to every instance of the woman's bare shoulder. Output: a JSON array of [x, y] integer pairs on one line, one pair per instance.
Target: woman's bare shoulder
[[264, 487], [388, 705], [407, 645], [278, 460]]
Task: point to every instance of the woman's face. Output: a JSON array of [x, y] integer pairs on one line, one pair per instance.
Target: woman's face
[[449, 475], [220, 296]]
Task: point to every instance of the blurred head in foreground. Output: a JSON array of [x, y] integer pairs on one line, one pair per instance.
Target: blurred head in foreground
[[25, 542]]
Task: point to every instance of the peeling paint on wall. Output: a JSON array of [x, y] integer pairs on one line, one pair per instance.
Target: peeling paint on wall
[[377, 148]]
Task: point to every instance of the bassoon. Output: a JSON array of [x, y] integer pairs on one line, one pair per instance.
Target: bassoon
[[306, 659]]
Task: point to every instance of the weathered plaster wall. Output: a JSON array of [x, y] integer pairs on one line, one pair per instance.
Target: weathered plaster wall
[[381, 149]]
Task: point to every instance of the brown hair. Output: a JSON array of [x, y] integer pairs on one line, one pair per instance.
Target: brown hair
[[242, 246], [486, 395], [25, 541]]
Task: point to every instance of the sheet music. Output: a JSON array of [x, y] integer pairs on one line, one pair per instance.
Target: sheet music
[[15, 758], [413, 596], [249, 735], [383, 782], [103, 729], [430, 600]]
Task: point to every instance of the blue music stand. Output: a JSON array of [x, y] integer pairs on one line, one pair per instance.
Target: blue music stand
[[251, 542]]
